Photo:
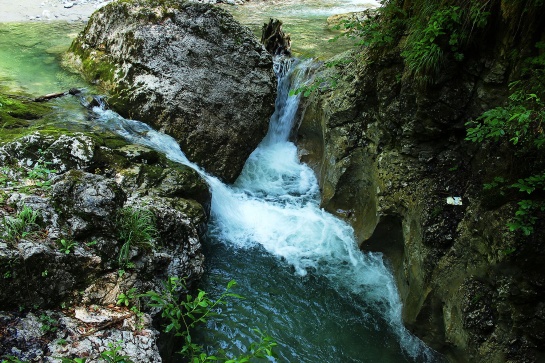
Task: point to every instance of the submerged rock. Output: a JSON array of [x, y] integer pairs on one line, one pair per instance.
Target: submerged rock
[[188, 69]]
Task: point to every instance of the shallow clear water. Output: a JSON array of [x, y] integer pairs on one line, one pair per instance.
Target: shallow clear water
[[305, 20], [30, 55]]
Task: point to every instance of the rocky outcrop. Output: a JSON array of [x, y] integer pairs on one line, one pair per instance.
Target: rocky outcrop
[[189, 70], [389, 154], [85, 332], [63, 199]]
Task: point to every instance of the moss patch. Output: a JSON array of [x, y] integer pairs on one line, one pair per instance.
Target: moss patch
[[17, 110]]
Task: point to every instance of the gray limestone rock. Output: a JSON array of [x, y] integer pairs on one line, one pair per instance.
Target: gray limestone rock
[[93, 198], [188, 69]]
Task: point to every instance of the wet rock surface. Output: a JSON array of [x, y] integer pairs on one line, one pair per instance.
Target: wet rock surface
[[391, 157], [188, 69]]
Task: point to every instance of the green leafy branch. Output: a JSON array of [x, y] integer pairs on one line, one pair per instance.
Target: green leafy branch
[[182, 316], [520, 124]]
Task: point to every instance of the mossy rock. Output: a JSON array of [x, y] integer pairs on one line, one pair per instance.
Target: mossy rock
[[18, 111], [185, 68]]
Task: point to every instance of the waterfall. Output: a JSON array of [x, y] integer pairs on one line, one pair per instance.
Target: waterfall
[[274, 205]]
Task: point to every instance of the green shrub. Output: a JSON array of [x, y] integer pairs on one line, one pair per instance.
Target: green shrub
[[438, 31], [182, 316], [519, 124]]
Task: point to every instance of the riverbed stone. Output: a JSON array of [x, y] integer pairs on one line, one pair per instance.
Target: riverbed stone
[[188, 69]]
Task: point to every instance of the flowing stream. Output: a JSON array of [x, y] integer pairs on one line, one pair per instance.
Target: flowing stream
[[304, 280]]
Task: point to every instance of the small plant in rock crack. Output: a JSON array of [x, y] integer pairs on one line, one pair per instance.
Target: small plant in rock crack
[[40, 174], [66, 245], [49, 325], [22, 225], [127, 298], [113, 356], [136, 228], [12, 359]]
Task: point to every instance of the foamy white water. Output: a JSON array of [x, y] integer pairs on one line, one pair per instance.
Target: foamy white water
[[274, 205]]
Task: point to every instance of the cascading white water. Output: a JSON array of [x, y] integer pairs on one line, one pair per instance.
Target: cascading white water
[[274, 205]]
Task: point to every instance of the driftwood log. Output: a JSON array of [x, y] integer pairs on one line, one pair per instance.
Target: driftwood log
[[50, 96], [274, 39]]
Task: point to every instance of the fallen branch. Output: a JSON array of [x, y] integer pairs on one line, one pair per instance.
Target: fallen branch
[[50, 96], [105, 325]]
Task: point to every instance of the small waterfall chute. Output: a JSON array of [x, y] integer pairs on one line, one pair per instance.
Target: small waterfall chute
[[274, 205]]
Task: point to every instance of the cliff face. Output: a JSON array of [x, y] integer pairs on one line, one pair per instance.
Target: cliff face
[[389, 152]]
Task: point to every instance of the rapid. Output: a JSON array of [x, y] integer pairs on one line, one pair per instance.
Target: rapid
[[304, 279]]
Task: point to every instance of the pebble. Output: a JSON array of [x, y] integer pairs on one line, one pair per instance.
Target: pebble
[[68, 5]]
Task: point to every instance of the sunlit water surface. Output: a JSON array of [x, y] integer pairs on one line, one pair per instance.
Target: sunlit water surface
[[304, 20]]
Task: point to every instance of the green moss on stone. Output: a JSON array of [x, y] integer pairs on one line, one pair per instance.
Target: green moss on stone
[[17, 110]]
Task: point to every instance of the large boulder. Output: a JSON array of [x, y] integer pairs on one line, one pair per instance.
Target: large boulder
[[188, 69]]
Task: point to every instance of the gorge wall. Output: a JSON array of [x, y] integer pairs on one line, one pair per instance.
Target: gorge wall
[[388, 153]]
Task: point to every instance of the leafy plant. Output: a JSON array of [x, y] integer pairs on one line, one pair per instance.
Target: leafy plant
[[72, 360], [40, 173], [48, 324], [22, 225], [315, 85], [4, 178], [521, 121], [66, 245], [182, 316], [136, 228], [112, 355], [126, 298], [519, 125], [12, 359], [525, 217], [424, 51], [92, 243]]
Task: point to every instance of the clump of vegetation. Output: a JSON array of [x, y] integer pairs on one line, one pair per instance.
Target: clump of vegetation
[[136, 228], [438, 32], [519, 124], [66, 245], [25, 223], [49, 325], [40, 174], [435, 32]]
